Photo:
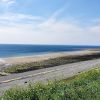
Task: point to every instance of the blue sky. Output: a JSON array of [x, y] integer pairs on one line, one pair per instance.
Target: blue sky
[[70, 22]]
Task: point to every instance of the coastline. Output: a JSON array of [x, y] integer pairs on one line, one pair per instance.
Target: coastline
[[35, 58]]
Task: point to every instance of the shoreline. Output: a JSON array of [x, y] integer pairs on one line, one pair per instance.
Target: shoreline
[[23, 64], [34, 58]]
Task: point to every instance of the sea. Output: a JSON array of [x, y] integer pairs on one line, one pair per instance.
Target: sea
[[13, 50]]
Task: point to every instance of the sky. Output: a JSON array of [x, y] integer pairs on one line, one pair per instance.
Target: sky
[[61, 22]]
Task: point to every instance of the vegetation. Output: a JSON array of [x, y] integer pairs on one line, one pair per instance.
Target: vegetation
[[49, 63], [3, 74], [85, 86]]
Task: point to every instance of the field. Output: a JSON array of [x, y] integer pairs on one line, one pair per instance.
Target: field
[[84, 86], [19, 68]]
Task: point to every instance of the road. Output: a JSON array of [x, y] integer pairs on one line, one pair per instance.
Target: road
[[43, 75]]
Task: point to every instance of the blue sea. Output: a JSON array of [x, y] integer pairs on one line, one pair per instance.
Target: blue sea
[[11, 50]]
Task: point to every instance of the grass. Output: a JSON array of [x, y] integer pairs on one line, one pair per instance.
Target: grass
[[3, 74], [85, 86], [49, 63]]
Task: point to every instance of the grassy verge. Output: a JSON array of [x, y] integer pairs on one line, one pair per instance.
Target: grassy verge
[[85, 86], [49, 63]]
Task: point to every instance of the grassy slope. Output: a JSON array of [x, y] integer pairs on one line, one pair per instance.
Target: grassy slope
[[50, 63], [85, 86]]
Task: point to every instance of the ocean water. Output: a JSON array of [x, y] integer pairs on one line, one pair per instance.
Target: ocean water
[[8, 50]]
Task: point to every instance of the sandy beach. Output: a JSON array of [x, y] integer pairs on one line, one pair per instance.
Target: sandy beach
[[27, 59]]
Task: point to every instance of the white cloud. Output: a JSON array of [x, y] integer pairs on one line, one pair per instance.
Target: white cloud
[[54, 25], [56, 32], [60, 27], [7, 2], [17, 18], [20, 28], [6, 6], [58, 12], [95, 29]]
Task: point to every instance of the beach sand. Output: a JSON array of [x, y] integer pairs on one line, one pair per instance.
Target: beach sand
[[27, 59], [7, 62]]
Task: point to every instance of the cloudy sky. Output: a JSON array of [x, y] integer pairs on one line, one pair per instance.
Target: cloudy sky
[[75, 22]]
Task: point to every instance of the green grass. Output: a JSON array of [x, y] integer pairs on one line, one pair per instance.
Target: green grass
[[49, 63], [85, 86]]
